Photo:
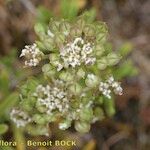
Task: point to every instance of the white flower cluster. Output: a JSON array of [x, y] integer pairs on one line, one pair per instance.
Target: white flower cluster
[[32, 54], [77, 52], [52, 98], [19, 117], [105, 87]]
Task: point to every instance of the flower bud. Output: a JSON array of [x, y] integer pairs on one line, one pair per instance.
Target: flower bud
[[102, 63], [54, 58], [99, 113], [54, 25], [76, 89], [80, 22], [99, 50], [91, 80], [75, 32], [39, 119], [59, 39], [65, 27], [81, 73], [82, 126], [86, 114], [48, 70], [89, 30], [40, 108], [109, 107], [66, 76], [113, 59]]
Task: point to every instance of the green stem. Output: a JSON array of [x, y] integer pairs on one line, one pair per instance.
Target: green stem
[[19, 138]]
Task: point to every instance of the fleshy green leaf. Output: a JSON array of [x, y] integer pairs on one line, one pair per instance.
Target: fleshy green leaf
[[125, 49], [8, 103], [3, 128]]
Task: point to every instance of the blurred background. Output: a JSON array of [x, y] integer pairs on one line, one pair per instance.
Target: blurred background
[[129, 28]]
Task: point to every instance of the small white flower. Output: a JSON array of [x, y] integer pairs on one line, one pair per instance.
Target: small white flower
[[77, 52], [32, 54], [110, 84], [59, 67], [53, 98], [19, 117], [104, 88]]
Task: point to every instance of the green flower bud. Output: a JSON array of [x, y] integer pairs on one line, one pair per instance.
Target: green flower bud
[[99, 50], [54, 59], [101, 37], [101, 27], [65, 124], [66, 76], [48, 70], [81, 73], [112, 59], [40, 45], [89, 30], [39, 119], [109, 107], [40, 107], [49, 44], [86, 114], [102, 63], [75, 32], [80, 22], [59, 39], [39, 29], [99, 113], [54, 25], [100, 100], [76, 89], [28, 104], [82, 126], [91, 80], [65, 27]]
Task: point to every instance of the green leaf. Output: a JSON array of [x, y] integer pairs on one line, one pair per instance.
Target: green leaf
[[3, 128], [90, 15], [8, 103], [43, 15], [39, 29], [69, 9], [29, 87], [126, 49], [109, 107], [4, 81], [125, 69]]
